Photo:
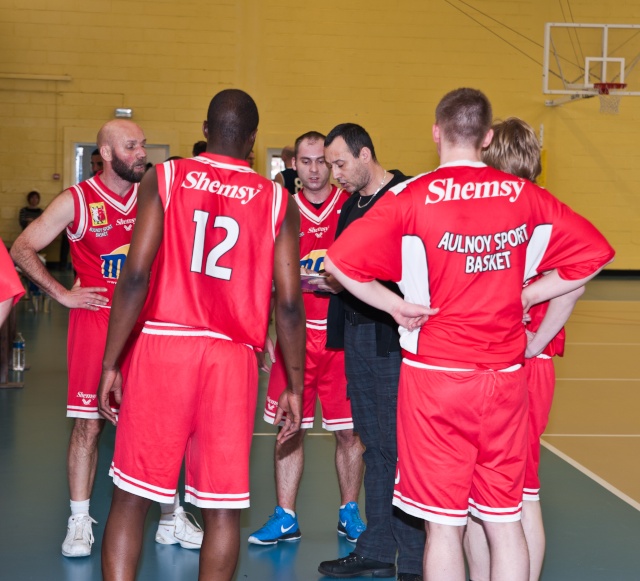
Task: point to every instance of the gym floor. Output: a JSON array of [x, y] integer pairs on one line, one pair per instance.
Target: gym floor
[[590, 471]]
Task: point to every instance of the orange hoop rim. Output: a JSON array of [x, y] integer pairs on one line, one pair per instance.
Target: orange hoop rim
[[604, 88]]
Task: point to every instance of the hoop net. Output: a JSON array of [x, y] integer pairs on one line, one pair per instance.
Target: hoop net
[[609, 97]]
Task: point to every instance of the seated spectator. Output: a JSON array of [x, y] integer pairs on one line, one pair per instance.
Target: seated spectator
[[31, 211]]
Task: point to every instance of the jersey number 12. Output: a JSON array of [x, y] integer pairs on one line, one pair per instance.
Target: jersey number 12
[[229, 241]]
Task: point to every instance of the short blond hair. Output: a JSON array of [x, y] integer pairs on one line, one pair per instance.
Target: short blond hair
[[515, 149]]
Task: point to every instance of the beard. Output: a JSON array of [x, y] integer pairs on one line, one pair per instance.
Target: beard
[[132, 173]]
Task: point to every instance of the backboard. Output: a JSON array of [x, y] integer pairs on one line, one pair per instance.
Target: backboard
[[579, 58]]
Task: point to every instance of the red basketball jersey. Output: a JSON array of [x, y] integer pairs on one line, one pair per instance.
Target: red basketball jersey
[[317, 232], [464, 238], [214, 268], [100, 233]]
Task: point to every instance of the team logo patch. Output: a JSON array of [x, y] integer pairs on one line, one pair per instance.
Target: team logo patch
[[318, 231], [87, 398], [314, 260], [127, 224], [271, 404], [98, 214], [113, 262]]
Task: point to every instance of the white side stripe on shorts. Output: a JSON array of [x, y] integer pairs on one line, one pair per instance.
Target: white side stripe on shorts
[[431, 513], [490, 514], [212, 500], [140, 488]]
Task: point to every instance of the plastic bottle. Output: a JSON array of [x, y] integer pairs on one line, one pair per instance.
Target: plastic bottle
[[18, 353]]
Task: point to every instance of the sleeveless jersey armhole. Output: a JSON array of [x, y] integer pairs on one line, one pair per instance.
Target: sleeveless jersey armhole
[[79, 225], [279, 209], [166, 174]]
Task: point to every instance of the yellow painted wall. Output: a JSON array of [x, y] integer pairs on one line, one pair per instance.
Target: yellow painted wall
[[309, 66]]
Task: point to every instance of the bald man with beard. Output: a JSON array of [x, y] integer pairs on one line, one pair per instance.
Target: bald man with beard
[[98, 215]]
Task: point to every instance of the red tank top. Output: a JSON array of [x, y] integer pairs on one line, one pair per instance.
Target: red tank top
[[317, 232], [214, 267], [100, 233]]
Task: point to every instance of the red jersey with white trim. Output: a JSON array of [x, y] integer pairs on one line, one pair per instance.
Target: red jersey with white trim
[[214, 267], [464, 238], [317, 232], [100, 233], [537, 313]]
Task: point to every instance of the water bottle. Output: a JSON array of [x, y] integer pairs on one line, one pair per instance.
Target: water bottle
[[18, 353]]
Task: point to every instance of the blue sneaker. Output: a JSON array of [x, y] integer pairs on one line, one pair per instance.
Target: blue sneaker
[[350, 524], [280, 527]]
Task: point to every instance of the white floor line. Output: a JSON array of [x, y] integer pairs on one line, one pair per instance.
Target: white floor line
[[597, 378], [608, 344], [612, 489], [591, 435]]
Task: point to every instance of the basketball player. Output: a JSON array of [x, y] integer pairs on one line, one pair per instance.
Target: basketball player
[[461, 240], [516, 150], [320, 204], [98, 215], [216, 234]]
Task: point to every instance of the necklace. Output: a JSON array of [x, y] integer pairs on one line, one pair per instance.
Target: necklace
[[375, 194]]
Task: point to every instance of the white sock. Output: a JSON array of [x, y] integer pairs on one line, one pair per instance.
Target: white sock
[[80, 507], [342, 505], [167, 509], [290, 512]]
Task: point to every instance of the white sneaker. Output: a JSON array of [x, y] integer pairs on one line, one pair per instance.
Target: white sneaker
[[182, 528], [79, 537]]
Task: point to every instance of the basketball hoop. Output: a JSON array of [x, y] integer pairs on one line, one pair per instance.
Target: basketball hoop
[[609, 96]]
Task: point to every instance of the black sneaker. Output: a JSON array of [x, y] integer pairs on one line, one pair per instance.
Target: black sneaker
[[355, 566], [409, 577]]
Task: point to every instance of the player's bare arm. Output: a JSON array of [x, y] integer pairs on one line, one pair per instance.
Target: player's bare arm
[[39, 234], [407, 315], [290, 319], [132, 287], [555, 318], [551, 286]]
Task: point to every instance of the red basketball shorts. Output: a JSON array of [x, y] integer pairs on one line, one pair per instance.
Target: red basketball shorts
[[190, 397], [541, 381], [85, 348], [324, 378], [462, 444]]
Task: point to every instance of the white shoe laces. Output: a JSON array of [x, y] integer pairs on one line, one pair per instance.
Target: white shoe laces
[[189, 526], [82, 530]]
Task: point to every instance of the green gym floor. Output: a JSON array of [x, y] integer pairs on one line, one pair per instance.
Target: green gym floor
[[590, 465]]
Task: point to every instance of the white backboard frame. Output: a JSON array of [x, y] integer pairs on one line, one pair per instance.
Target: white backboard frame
[[613, 69]]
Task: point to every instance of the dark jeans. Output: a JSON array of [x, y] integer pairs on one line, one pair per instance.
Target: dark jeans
[[373, 388]]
